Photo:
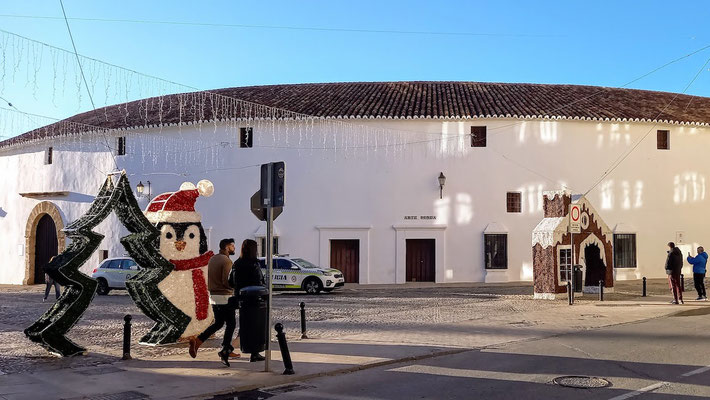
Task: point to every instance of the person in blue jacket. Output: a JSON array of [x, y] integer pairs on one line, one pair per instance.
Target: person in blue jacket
[[699, 262]]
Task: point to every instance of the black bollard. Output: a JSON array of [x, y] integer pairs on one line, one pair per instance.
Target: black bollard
[[303, 321], [682, 283], [644, 287], [570, 293], [601, 290], [285, 355], [127, 338]]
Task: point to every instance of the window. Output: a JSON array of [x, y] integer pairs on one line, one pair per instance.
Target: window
[[513, 202], [663, 140], [103, 254], [263, 246], [113, 264], [246, 137], [127, 264], [121, 148], [625, 250], [565, 263], [478, 136], [282, 264], [49, 154], [496, 251]]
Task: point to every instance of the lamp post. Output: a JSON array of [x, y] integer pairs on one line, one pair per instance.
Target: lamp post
[[140, 187], [442, 181]]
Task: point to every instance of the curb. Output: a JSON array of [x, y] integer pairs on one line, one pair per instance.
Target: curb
[[294, 378]]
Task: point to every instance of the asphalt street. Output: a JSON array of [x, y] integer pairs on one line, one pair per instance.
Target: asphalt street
[[664, 358]]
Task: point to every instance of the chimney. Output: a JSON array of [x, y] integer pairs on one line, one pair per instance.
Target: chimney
[[556, 203]]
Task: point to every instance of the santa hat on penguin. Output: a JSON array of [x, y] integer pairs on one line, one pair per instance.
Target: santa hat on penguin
[[179, 207]]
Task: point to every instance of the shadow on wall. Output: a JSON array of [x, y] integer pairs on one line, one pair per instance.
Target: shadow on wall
[[3, 213], [78, 198]]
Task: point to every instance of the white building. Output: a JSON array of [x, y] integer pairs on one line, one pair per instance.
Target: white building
[[362, 168]]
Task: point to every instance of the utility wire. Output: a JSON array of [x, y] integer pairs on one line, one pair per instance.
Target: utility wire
[[285, 27], [81, 69], [302, 115], [623, 156], [438, 139]]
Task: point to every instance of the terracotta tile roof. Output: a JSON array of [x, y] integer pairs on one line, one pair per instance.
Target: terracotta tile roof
[[455, 100]]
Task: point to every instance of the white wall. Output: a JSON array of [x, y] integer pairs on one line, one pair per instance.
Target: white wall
[[656, 192]]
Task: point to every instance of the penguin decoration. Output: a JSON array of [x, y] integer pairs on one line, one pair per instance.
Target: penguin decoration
[[183, 242]]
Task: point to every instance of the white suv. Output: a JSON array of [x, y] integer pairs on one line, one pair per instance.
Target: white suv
[[112, 273], [299, 274]]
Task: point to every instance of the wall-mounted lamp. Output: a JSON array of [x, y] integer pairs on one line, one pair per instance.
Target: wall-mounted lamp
[[442, 182], [140, 188]]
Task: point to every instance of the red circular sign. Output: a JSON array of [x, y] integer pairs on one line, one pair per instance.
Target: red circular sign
[[575, 214]]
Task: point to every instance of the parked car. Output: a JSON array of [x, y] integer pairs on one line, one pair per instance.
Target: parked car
[[112, 273], [299, 274]]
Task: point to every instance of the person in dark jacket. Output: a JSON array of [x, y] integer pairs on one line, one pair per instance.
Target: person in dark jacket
[[49, 283], [247, 272], [699, 262], [674, 264]]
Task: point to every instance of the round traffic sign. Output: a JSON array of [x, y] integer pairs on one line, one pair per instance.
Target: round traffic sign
[[575, 213]]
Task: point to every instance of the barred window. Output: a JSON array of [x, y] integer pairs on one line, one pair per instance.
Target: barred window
[[246, 137], [496, 247], [50, 154], [625, 250], [121, 148], [663, 140], [478, 136], [565, 264], [513, 202]]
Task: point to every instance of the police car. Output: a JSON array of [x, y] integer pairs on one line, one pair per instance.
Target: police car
[[299, 274]]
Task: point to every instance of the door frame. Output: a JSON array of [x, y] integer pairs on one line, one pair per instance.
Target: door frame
[[404, 232], [361, 233], [49, 208]]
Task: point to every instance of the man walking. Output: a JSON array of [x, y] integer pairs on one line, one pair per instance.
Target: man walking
[[674, 265], [699, 263], [218, 270]]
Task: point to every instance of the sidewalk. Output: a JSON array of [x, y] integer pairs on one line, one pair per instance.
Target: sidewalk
[[178, 376]]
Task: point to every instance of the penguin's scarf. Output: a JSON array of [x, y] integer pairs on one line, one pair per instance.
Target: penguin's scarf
[[202, 297]]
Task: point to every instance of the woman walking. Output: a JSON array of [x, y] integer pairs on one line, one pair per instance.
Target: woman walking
[[247, 271]]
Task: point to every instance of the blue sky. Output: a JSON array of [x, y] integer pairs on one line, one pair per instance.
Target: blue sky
[[605, 43]]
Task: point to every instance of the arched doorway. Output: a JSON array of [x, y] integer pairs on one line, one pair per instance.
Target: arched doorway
[[46, 246], [43, 239]]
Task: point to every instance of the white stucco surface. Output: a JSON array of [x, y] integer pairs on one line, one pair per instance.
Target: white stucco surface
[[366, 192]]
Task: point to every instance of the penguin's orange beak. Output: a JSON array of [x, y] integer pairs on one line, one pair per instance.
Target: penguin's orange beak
[[180, 245]]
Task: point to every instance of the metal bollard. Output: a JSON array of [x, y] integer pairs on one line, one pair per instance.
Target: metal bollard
[[601, 290], [303, 321], [285, 355], [682, 283], [570, 293], [644, 287], [127, 337]]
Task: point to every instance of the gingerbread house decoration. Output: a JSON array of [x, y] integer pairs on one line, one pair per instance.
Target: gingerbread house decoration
[[555, 249]]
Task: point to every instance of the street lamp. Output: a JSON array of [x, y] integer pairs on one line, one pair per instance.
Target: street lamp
[[140, 188], [442, 181]]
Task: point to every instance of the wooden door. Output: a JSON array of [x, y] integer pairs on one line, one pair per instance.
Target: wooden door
[[345, 256], [46, 245], [421, 260]]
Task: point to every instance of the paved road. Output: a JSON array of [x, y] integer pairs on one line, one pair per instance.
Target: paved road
[[664, 358]]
